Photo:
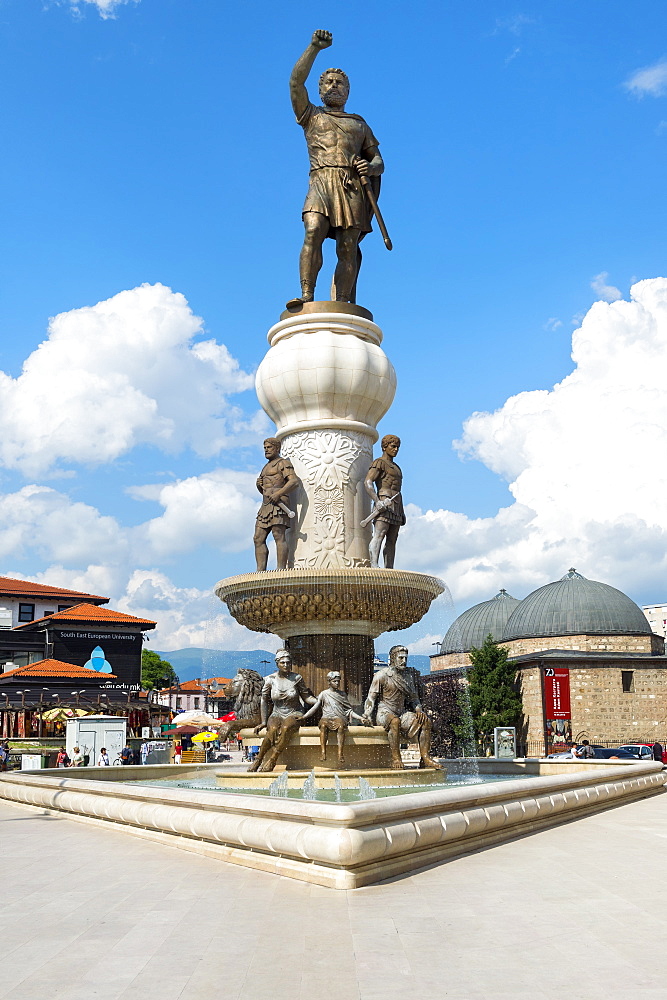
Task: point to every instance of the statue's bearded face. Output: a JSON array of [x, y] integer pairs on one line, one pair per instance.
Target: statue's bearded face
[[334, 90], [398, 658]]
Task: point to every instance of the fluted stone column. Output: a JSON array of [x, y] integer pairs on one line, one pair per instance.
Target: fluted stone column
[[326, 383]]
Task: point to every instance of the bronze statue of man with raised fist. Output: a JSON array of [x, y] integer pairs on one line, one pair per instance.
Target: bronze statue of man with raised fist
[[342, 150]]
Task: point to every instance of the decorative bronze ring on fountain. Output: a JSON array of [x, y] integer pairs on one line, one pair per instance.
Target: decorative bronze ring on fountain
[[359, 601]]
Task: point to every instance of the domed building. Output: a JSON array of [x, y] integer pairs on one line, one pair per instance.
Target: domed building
[[582, 614], [471, 629], [588, 663]]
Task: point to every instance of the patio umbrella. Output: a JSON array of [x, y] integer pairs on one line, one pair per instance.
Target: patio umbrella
[[204, 737], [181, 731], [61, 713], [197, 719]]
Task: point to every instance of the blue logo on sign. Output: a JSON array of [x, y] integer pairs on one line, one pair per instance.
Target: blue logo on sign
[[98, 662]]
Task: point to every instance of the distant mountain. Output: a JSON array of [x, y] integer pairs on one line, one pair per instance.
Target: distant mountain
[[417, 660], [195, 662]]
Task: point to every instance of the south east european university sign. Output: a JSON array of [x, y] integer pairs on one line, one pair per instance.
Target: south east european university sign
[[109, 652], [557, 710]]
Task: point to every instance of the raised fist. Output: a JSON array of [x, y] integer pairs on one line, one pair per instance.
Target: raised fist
[[321, 39]]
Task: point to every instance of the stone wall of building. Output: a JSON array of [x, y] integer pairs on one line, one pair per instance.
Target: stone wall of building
[[443, 661], [601, 709], [654, 644]]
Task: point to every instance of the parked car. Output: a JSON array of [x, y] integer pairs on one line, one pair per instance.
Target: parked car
[[622, 753], [644, 751]]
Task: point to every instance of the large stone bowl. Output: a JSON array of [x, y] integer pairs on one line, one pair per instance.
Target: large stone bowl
[[298, 602]]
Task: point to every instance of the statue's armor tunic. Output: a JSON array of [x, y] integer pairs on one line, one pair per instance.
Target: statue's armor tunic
[[273, 476], [388, 483], [288, 694], [395, 694], [334, 138]]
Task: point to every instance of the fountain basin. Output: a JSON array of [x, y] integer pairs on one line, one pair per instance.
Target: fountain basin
[[298, 602], [326, 778], [342, 846]]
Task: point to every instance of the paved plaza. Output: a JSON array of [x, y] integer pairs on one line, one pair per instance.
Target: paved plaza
[[576, 911]]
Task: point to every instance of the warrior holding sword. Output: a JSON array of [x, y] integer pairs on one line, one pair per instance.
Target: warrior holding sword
[[345, 168], [385, 477], [276, 480]]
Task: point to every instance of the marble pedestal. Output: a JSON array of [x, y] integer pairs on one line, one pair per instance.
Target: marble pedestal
[[365, 746]]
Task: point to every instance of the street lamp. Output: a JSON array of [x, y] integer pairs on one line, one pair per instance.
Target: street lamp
[[78, 694], [6, 697], [41, 721]]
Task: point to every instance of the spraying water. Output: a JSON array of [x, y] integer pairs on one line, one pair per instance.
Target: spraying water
[[309, 791], [278, 787], [366, 790]]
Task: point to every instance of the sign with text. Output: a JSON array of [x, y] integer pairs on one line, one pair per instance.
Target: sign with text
[[557, 693], [109, 652], [558, 725]]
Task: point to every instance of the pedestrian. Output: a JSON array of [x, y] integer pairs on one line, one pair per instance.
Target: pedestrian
[[103, 759], [144, 752], [63, 759], [657, 752], [584, 751], [4, 756], [77, 758], [178, 750], [126, 755]]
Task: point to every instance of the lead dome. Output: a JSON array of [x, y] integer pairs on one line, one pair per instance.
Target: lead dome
[[574, 605], [472, 627]]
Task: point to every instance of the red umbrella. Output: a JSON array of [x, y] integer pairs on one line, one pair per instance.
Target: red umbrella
[[230, 717], [181, 731]]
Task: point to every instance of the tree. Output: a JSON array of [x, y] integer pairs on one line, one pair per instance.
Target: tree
[[493, 690], [442, 701], [156, 672]]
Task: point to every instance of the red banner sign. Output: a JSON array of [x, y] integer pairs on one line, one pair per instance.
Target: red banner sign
[[557, 693]]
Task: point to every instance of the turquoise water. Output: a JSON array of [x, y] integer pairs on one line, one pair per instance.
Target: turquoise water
[[207, 783]]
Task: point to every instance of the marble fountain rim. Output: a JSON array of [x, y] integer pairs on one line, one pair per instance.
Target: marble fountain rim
[[367, 812]]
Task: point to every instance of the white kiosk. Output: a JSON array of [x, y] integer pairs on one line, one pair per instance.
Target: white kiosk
[[92, 732]]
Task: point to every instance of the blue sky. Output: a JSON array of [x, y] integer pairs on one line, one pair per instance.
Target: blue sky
[[153, 142]]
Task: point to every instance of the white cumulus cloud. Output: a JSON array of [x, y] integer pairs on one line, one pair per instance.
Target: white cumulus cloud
[[118, 374], [584, 462], [217, 508], [651, 80]]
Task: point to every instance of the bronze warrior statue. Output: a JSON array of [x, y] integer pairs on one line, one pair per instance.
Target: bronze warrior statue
[[276, 480], [383, 484], [342, 150], [337, 713], [394, 698], [283, 698]]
